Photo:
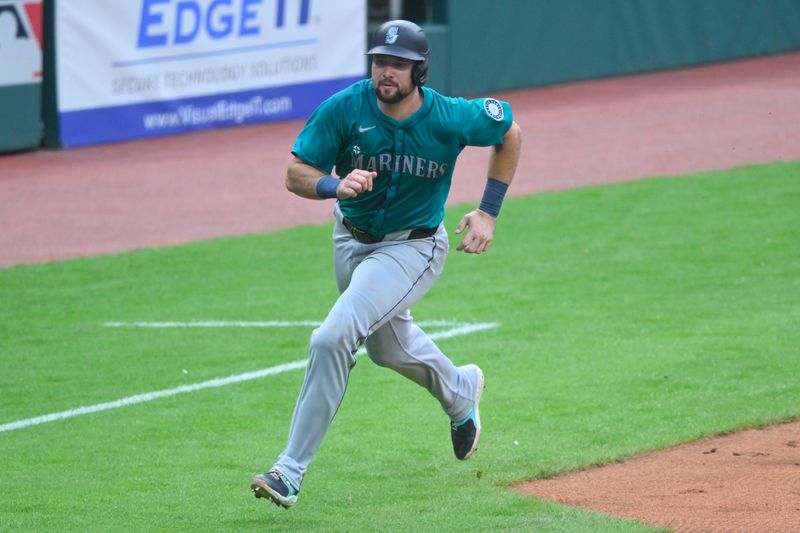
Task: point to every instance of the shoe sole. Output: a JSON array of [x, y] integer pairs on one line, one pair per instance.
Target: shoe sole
[[478, 393], [261, 489]]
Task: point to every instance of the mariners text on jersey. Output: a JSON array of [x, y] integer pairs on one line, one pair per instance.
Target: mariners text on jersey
[[407, 164]]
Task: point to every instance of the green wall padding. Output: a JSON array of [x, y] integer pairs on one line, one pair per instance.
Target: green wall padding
[[508, 44], [20, 117], [439, 62]]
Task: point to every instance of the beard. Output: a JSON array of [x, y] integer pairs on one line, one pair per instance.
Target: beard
[[398, 95]]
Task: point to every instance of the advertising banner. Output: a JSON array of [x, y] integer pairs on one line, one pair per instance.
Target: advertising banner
[[139, 68], [20, 74], [20, 42]]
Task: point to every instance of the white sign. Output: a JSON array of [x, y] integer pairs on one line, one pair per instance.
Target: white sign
[[20, 42], [135, 68]]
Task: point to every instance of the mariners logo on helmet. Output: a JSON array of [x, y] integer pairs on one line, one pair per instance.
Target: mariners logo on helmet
[[493, 108], [391, 35]]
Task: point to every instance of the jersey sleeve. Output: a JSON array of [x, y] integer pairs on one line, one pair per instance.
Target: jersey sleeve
[[319, 140], [485, 121]]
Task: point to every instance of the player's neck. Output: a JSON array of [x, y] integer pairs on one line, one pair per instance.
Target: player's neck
[[404, 108]]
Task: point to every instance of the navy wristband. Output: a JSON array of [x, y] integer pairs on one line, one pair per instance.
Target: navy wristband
[[326, 187], [493, 196]]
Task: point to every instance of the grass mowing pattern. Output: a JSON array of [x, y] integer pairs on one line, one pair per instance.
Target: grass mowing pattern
[[634, 316]]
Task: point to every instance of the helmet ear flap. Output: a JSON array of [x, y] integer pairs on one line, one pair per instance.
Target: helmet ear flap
[[419, 72]]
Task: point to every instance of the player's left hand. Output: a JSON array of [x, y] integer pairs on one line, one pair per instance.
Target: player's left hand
[[479, 234]]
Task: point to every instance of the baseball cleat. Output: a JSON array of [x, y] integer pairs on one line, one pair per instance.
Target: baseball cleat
[[275, 487], [466, 432]]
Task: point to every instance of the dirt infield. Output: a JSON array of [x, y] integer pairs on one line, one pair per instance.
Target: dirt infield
[[57, 205], [746, 482]]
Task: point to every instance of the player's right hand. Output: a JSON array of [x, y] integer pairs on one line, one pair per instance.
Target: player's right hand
[[355, 183]]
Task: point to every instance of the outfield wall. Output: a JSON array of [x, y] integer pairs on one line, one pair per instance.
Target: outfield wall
[[129, 69], [510, 44]]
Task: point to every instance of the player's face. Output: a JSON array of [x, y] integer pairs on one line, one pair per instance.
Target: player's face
[[391, 77]]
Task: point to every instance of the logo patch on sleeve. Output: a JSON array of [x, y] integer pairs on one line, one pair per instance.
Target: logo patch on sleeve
[[493, 108]]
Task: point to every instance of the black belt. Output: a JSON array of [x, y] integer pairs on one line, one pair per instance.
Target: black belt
[[367, 238]]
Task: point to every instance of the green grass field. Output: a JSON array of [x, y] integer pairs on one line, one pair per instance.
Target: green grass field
[[632, 317]]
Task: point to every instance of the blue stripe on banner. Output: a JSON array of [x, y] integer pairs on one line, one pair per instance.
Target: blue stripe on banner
[[213, 53], [168, 117]]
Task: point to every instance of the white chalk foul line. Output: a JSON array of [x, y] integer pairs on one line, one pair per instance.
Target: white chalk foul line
[[263, 324], [455, 330], [212, 324]]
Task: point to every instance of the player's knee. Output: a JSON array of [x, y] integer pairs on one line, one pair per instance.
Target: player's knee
[[323, 339], [331, 340]]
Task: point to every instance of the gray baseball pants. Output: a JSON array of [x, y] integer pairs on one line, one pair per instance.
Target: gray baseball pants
[[378, 284]]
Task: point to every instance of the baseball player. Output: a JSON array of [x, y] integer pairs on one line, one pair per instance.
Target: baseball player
[[393, 144]]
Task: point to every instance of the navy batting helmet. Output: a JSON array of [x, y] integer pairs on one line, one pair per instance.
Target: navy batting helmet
[[401, 38]]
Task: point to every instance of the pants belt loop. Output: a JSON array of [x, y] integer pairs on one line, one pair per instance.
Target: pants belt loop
[[359, 235]]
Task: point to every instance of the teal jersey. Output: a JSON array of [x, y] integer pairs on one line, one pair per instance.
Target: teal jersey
[[414, 159]]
